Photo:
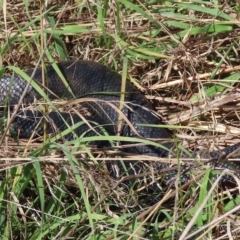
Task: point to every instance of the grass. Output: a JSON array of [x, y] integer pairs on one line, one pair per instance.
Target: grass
[[184, 56]]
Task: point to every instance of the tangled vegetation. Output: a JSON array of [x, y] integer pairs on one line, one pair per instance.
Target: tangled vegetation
[[184, 57]]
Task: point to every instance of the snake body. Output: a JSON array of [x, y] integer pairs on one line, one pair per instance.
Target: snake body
[[93, 81]]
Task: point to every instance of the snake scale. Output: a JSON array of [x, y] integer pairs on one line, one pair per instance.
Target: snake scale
[[95, 81]]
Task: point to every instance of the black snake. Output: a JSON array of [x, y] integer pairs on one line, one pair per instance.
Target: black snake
[[95, 81]]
